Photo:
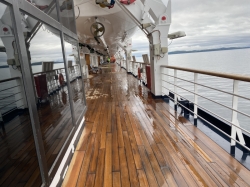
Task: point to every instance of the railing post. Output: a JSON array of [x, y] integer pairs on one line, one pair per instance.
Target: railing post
[[195, 98], [234, 129], [175, 90]]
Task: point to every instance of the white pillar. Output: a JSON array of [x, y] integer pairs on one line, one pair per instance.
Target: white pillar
[[127, 62], [235, 121], [195, 95], [175, 89], [158, 37]]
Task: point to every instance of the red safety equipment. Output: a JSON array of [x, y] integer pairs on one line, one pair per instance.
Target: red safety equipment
[[139, 73], [61, 79], [127, 2], [112, 59], [41, 86], [148, 77]]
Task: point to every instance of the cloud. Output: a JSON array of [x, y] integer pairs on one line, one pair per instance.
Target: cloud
[[46, 46], [208, 24]]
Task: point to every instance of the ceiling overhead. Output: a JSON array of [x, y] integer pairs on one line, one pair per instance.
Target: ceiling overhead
[[118, 26]]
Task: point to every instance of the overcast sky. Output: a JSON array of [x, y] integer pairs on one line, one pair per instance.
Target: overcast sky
[[208, 24]]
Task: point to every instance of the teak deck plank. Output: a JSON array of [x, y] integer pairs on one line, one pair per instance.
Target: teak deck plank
[[94, 160], [148, 168], [119, 128], [142, 178], [134, 147], [131, 163], [124, 168], [100, 168], [116, 179], [90, 180], [85, 164], [131, 139], [74, 170], [115, 150], [108, 162]]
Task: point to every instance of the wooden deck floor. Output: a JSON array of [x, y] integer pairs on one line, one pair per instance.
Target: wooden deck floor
[[133, 140]]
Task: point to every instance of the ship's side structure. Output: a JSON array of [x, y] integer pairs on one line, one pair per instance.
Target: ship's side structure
[[42, 93]]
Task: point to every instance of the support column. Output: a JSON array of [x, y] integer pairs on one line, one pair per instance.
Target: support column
[[195, 98], [127, 62], [158, 36], [234, 129]]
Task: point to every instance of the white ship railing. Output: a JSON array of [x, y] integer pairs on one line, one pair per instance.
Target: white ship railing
[[53, 83], [11, 97], [11, 90], [133, 68], [142, 66], [173, 83]]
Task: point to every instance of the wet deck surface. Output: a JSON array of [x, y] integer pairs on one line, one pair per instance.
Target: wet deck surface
[[133, 140]]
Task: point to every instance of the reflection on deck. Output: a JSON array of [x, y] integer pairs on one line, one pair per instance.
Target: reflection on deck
[[131, 139], [19, 165]]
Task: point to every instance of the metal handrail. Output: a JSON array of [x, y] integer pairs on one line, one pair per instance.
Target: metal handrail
[[213, 112], [209, 87], [235, 127], [217, 128], [47, 71], [137, 62], [10, 79], [9, 88], [4, 114], [216, 74], [9, 96], [41, 72], [10, 103]]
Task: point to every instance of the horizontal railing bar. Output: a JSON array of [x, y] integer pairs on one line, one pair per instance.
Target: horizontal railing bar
[[210, 87], [213, 113], [137, 62], [47, 71], [10, 79], [10, 104], [216, 74], [216, 127], [10, 95], [9, 88], [11, 110], [4, 114], [211, 100]]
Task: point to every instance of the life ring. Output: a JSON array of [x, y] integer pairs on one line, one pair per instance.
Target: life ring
[[61, 79]]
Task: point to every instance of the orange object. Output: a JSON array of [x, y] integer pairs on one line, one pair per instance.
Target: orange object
[[112, 59], [148, 73]]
